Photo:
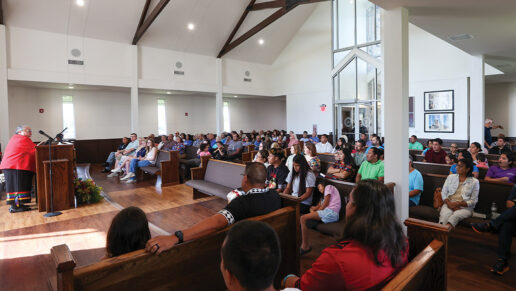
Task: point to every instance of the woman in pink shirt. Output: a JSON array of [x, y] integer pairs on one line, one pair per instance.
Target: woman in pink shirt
[[327, 211], [293, 139]]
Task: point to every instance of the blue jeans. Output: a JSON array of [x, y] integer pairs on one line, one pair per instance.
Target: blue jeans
[[135, 164], [110, 160], [505, 224]]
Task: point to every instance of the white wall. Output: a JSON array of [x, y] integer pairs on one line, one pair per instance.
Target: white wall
[[200, 109], [501, 106], [256, 114], [302, 73], [98, 113], [435, 65]]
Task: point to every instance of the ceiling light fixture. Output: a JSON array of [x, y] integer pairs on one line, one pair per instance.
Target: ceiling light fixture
[[168, 92], [261, 41], [235, 96], [191, 26], [70, 86], [80, 3], [459, 37]]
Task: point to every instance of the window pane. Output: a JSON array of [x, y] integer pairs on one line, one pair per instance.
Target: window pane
[[366, 118], [347, 82], [366, 80], [365, 21], [225, 114], [346, 23], [162, 117], [379, 80], [379, 119], [68, 120], [337, 57], [334, 24], [374, 50], [378, 23]]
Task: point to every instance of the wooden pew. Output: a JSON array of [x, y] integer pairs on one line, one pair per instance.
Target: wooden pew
[[166, 167], [193, 265], [441, 169], [427, 268]]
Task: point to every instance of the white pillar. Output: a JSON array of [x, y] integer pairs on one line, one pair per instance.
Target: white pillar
[[134, 91], [218, 99], [477, 101], [396, 69], [4, 97]]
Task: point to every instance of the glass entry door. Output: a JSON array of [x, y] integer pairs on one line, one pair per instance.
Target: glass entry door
[[346, 117], [365, 114]]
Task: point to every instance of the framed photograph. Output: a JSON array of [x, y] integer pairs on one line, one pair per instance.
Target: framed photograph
[[439, 122], [439, 100]]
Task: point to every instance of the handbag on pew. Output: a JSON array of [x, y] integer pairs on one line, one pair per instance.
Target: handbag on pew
[[438, 199]]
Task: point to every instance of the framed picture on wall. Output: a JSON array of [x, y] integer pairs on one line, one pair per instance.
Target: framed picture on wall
[[439, 122], [439, 100]]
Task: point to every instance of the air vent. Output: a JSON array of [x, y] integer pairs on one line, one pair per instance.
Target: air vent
[[76, 62], [247, 80], [176, 72], [460, 37]]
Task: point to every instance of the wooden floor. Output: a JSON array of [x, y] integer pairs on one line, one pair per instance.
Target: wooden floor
[[26, 238]]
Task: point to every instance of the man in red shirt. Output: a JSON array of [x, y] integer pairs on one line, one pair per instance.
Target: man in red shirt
[[436, 154]]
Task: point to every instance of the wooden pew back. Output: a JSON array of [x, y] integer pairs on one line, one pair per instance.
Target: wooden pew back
[[193, 265], [441, 169]]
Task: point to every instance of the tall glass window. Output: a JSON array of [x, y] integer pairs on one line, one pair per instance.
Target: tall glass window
[[162, 117], [225, 115], [68, 118], [357, 82]]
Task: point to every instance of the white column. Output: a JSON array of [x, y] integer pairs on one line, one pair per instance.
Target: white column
[[218, 99], [134, 90], [477, 101], [4, 97], [396, 69]]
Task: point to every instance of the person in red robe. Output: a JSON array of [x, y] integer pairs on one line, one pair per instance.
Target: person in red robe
[[18, 165]]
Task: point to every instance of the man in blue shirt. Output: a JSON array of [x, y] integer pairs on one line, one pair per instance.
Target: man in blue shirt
[[314, 137], [415, 184], [488, 138]]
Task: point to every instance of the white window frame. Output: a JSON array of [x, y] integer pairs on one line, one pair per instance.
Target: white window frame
[[68, 117], [161, 116]]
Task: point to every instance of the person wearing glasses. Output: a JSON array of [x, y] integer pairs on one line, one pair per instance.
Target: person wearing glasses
[[18, 165]]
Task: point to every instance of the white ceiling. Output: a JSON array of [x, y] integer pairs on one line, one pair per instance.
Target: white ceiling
[[117, 20], [492, 23]]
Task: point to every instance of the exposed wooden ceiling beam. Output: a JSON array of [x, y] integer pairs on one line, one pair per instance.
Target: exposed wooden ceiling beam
[[149, 20], [144, 13], [268, 5], [231, 44]]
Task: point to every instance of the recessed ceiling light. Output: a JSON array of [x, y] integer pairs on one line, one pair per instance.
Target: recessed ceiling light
[[235, 96], [80, 3], [168, 92], [261, 41], [70, 86], [459, 37], [191, 26]]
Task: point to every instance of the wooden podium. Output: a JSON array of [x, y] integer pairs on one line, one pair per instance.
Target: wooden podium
[[63, 165]]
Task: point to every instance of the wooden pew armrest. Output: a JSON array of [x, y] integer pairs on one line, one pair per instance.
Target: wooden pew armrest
[[62, 258], [197, 173]]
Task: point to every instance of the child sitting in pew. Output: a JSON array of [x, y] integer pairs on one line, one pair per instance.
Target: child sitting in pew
[[451, 159], [482, 161], [129, 231]]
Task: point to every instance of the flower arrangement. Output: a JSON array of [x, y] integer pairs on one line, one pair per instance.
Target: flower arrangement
[[87, 192]]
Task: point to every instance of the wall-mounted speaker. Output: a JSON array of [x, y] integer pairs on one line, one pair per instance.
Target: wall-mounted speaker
[[179, 65], [76, 52]]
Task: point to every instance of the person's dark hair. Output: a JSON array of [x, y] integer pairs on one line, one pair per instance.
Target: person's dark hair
[[477, 145], [129, 231], [348, 159], [256, 173], [376, 152], [203, 146], [481, 157], [414, 136], [304, 168], [362, 142], [264, 154], [509, 156], [439, 141], [220, 143], [277, 153], [134, 134], [502, 137], [453, 158], [305, 132], [466, 155], [251, 252], [325, 135], [468, 163], [374, 223], [337, 146]]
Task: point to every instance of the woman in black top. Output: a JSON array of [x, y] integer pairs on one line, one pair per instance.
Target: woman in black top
[[220, 152]]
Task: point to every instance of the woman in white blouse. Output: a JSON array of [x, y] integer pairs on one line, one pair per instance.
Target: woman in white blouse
[[460, 194], [149, 159]]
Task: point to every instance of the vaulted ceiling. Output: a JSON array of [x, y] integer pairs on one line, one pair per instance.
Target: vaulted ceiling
[[117, 20]]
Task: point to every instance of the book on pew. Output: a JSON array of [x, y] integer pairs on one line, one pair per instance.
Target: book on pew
[[479, 215]]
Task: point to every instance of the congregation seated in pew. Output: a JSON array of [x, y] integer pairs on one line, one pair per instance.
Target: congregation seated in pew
[[464, 154], [313, 160], [416, 185], [436, 154], [277, 172], [360, 154]]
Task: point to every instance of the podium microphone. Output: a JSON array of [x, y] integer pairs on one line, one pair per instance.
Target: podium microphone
[[61, 132], [43, 133]]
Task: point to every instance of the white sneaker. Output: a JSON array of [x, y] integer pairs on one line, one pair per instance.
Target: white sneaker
[[117, 170], [112, 175], [130, 175], [125, 177]]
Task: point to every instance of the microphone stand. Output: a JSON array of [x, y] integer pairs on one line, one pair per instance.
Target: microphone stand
[[51, 213]]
